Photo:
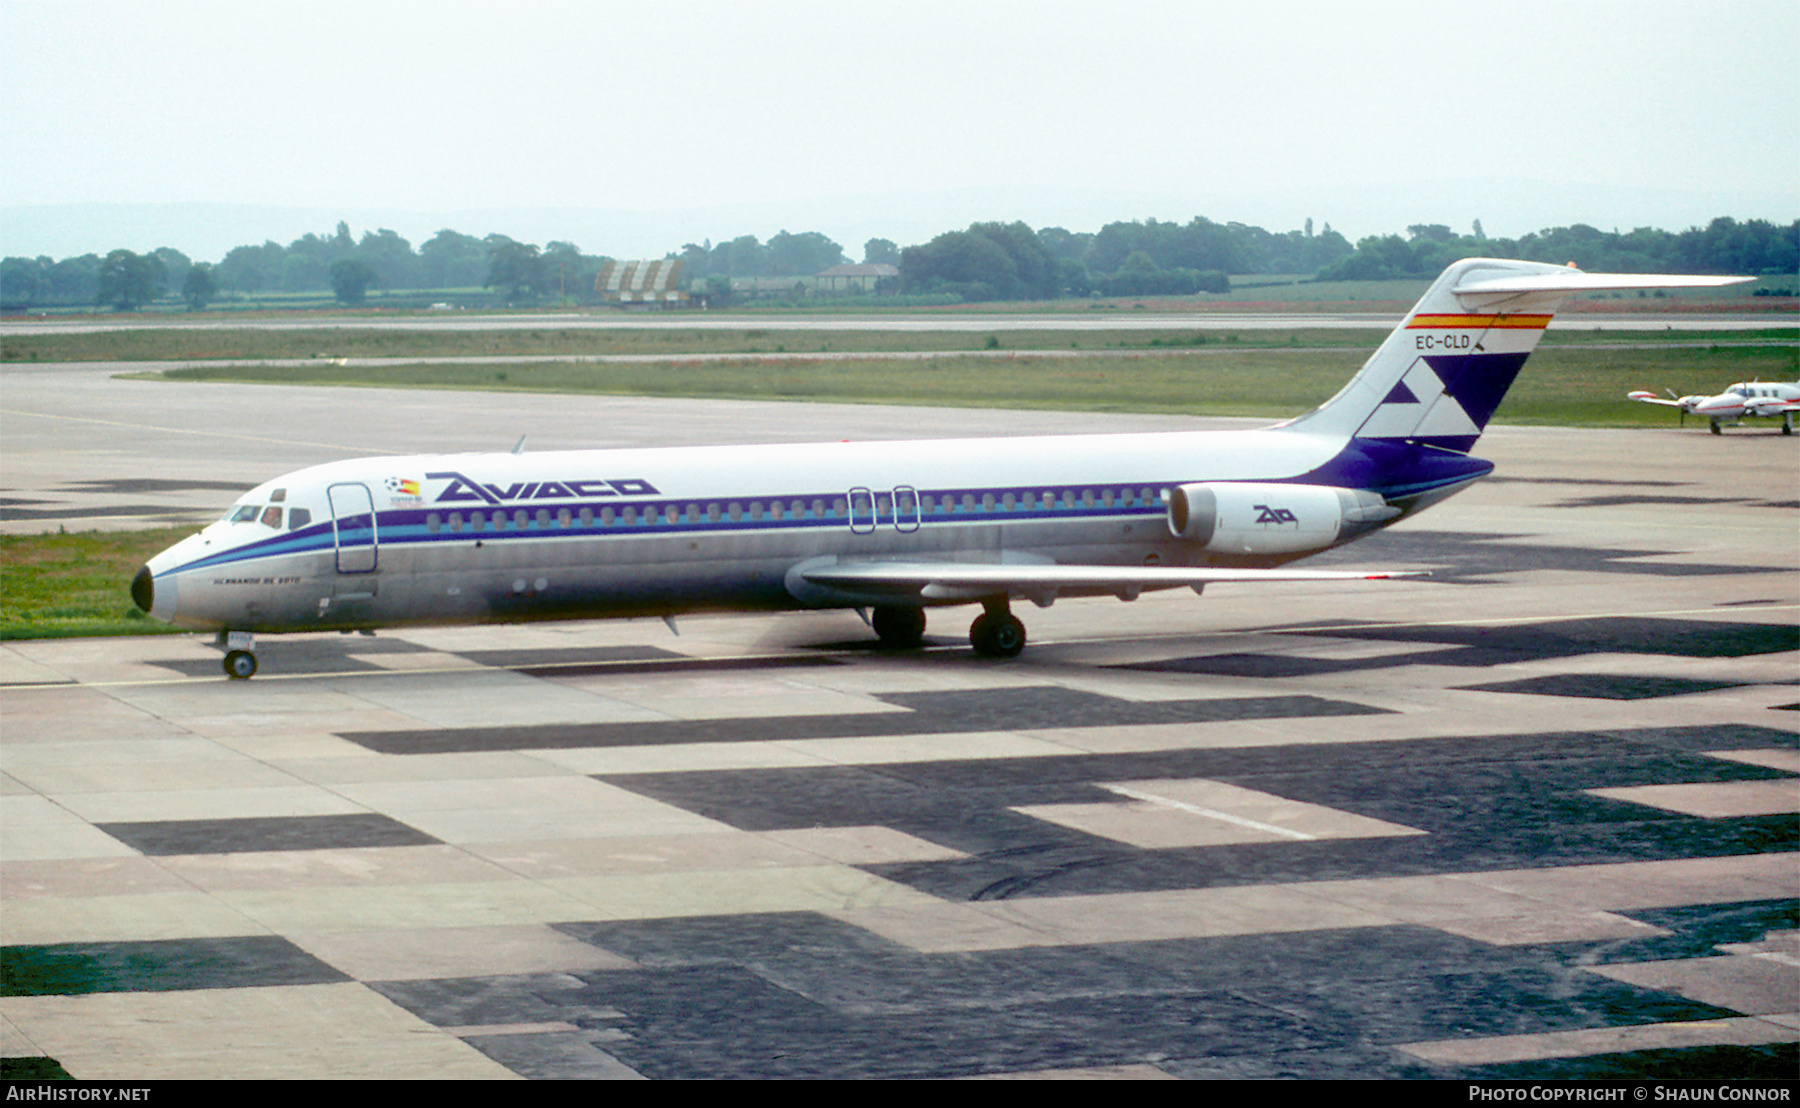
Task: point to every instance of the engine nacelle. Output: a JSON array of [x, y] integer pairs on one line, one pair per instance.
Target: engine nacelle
[[1247, 517]]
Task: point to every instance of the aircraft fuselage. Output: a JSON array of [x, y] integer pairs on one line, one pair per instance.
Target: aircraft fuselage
[[503, 538]]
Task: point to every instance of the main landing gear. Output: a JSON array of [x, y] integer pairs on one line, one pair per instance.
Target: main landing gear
[[898, 628], [996, 632]]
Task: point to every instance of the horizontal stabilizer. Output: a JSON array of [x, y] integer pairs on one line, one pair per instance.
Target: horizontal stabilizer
[[1482, 292]]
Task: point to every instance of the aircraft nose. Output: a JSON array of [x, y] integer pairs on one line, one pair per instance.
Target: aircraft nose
[[143, 589]]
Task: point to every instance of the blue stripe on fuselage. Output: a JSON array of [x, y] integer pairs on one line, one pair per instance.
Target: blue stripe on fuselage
[[1391, 468], [411, 525]]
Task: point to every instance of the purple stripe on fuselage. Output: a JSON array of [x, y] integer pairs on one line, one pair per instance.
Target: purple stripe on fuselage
[[1397, 468]]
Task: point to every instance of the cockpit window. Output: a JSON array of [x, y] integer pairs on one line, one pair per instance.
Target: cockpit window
[[245, 513], [298, 518], [271, 517]]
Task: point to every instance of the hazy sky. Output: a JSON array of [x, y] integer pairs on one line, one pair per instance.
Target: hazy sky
[[852, 117]]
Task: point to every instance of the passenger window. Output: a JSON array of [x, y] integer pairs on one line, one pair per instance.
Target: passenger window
[[433, 523], [298, 518]]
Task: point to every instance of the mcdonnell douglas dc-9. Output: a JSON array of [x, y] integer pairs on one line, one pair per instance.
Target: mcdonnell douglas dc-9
[[889, 528], [1767, 399]]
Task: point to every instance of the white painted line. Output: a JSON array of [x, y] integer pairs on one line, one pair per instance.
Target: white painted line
[[1240, 821]]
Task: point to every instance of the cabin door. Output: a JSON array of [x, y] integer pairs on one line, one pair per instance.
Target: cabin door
[[353, 526]]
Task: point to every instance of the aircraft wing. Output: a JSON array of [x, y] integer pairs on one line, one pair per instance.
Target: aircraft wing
[[1652, 398], [1043, 582], [1770, 406]]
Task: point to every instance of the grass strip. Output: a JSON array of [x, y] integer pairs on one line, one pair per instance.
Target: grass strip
[[68, 584], [157, 344], [1576, 386]]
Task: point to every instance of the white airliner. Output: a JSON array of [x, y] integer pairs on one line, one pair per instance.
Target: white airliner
[[891, 527], [1765, 399]]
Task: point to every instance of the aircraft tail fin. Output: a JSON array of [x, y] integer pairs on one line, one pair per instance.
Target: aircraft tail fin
[[1438, 378]]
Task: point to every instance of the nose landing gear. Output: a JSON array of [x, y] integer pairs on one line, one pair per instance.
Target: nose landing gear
[[240, 654], [240, 665]]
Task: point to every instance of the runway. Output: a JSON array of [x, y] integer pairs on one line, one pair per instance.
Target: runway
[[1109, 318], [1532, 817]]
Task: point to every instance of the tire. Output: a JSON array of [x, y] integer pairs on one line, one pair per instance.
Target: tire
[[899, 628], [997, 636], [240, 665]]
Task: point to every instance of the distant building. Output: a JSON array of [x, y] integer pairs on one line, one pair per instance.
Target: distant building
[[868, 278], [792, 287], [641, 283]]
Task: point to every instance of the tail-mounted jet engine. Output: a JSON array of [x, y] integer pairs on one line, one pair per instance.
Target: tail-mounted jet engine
[[1244, 517]]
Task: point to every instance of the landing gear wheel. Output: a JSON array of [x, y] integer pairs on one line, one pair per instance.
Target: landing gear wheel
[[899, 628], [997, 635], [240, 665], [1715, 427]]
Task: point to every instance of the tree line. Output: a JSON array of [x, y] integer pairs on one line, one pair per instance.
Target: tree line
[[985, 261], [1724, 246]]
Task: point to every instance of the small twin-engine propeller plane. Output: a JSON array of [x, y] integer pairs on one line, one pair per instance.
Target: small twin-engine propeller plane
[[1767, 399], [891, 528]]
